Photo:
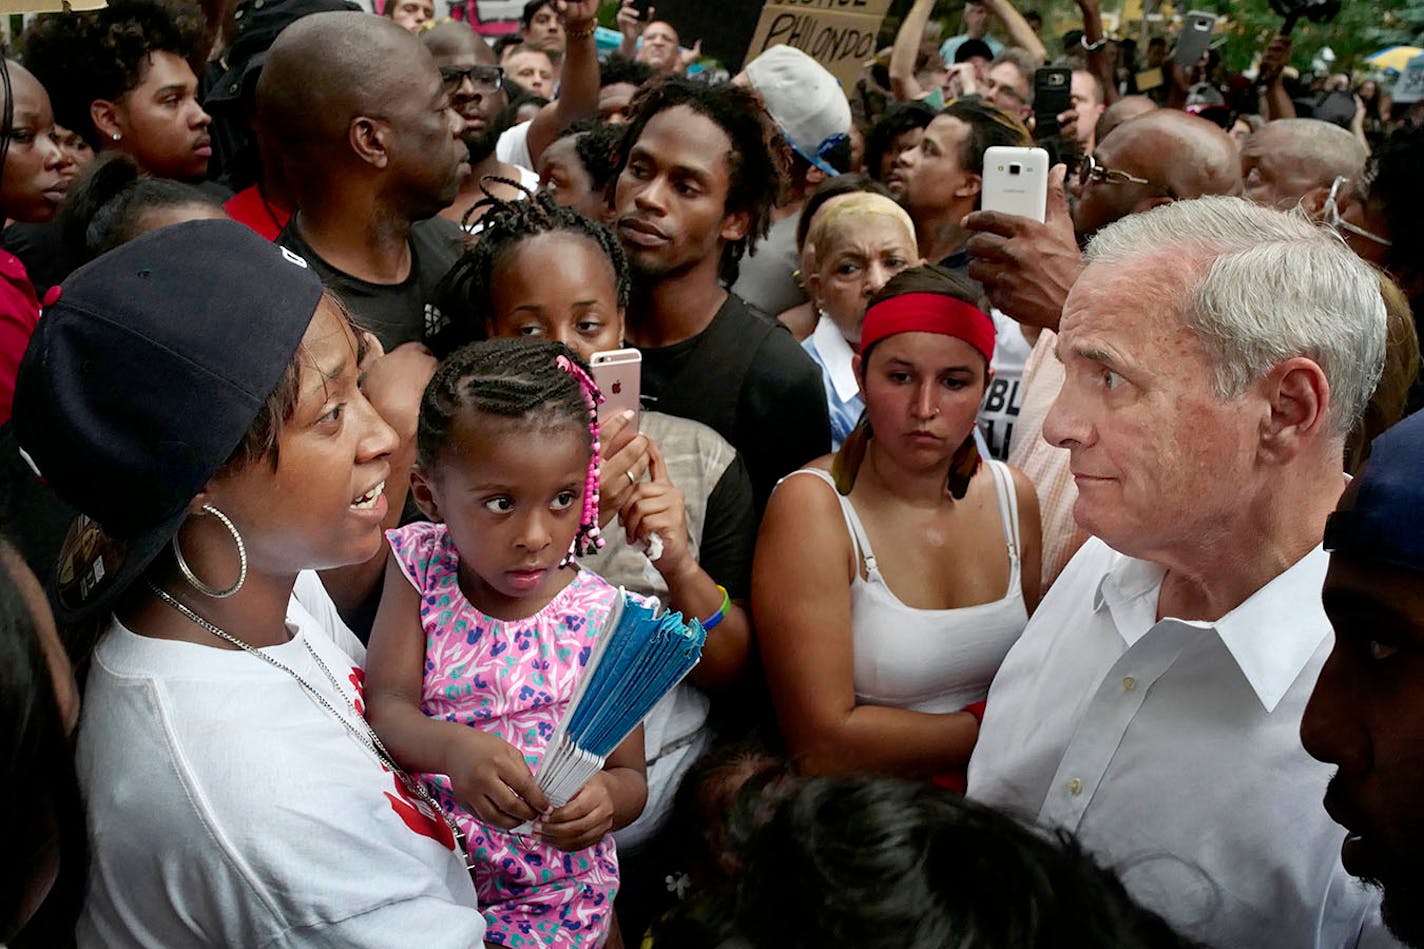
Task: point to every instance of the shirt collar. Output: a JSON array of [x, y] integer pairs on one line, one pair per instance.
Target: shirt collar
[[1275, 632], [836, 355], [1271, 636]]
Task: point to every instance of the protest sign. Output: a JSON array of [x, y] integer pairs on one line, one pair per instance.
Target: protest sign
[[838, 34]]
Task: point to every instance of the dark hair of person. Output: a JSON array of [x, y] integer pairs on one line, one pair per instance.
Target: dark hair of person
[[501, 43], [41, 800], [834, 188], [466, 290], [616, 70], [705, 827], [106, 207], [899, 119], [1396, 187], [758, 159], [839, 155], [519, 97], [531, 10], [987, 127], [594, 145], [883, 863], [83, 57], [970, 48], [511, 379]]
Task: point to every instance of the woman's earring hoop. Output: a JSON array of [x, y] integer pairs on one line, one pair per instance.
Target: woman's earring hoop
[[192, 578]]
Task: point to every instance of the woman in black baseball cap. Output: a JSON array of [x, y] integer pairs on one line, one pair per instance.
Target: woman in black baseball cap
[[197, 396]]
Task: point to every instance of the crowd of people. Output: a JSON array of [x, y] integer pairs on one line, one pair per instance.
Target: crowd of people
[[1061, 578]]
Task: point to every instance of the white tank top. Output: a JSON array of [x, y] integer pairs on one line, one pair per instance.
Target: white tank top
[[929, 660]]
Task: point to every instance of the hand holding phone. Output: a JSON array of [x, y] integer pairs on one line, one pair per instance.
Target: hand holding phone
[[619, 375], [1015, 182], [1052, 96]]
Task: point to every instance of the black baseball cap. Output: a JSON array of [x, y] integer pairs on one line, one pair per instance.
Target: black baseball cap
[[1386, 523], [142, 379]]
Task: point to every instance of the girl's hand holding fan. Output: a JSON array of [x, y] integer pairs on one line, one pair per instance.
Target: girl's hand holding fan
[[492, 781]]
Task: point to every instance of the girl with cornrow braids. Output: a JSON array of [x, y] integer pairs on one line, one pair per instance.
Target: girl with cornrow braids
[[485, 626], [545, 272]]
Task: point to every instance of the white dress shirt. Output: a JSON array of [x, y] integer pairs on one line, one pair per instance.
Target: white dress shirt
[[1172, 750], [833, 354]]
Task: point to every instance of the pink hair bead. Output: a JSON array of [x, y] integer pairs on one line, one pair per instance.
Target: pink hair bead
[[589, 538]]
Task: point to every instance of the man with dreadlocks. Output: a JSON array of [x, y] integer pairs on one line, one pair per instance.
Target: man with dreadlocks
[[699, 169]]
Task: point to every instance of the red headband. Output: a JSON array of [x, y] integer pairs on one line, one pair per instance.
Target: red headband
[[929, 313]]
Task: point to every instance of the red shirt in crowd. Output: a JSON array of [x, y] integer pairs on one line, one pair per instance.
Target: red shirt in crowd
[[19, 314], [249, 207]]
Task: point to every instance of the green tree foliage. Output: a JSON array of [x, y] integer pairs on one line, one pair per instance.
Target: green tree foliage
[[1361, 28]]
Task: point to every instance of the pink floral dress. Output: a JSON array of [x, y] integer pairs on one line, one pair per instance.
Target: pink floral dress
[[513, 679]]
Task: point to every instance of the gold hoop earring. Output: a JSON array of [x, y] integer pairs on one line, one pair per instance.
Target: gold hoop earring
[[192, 578]]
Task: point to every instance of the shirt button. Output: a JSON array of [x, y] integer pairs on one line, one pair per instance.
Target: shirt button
[[1075, 787], [1128, 683]]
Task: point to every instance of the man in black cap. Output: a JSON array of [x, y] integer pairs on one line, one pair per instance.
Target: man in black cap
[[1366, 715], [372, 152]]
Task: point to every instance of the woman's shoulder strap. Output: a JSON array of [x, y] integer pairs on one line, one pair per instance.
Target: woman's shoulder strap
[[859, 539]]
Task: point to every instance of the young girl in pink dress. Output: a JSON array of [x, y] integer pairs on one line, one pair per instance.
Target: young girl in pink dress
[[485, 627]]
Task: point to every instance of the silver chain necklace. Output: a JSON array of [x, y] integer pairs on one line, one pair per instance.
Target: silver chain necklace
[[365, 735]]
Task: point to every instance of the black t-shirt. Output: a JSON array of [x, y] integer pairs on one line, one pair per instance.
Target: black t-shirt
[[39, 248], [729, 532], [397, 313], [745, 377]]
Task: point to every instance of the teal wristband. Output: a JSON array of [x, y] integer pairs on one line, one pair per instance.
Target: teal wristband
[[711, 622]]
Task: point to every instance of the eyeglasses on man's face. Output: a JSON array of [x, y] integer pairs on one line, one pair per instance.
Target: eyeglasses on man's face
[[484, 79], [1091, 171], [1337, 223]]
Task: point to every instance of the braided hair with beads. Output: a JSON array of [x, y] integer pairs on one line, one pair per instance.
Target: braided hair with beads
[[464, 293], [542, 385]]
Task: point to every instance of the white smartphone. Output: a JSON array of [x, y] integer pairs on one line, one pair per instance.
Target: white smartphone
[[1015, 182], [619, 374]]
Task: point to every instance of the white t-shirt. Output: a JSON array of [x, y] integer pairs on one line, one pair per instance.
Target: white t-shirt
[[513, 146], [1000, 410], [227, 808]]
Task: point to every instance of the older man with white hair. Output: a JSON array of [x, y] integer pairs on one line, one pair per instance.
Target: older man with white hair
[[1216, 354]]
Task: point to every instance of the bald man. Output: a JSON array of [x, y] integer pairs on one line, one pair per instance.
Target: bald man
[[1128, 107], [1027, 269], [1289, 158], [477, 93], [372, 152], [1173, 155]]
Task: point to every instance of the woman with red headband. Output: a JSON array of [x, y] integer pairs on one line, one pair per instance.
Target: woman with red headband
[[892, 577]]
